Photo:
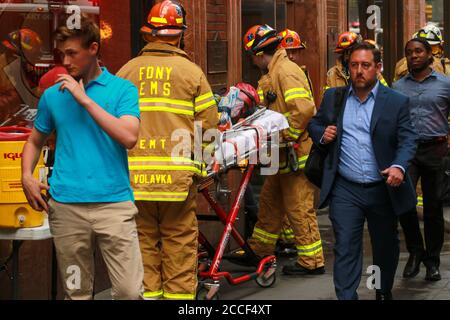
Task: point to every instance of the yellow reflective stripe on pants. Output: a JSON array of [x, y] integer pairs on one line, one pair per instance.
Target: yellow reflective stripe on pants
[[301, 165], [294, 133], [204, 101], [179, 296], [263, 240], [166, 105], [154, 294], [288, 233], [160, 196], [310, 250], [264, 236], [302, 162], [297, 93]]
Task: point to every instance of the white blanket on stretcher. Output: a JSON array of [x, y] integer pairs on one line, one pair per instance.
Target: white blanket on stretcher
[[237, 144]]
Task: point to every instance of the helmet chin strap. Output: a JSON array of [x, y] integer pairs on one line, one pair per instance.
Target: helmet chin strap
[[180, 40]]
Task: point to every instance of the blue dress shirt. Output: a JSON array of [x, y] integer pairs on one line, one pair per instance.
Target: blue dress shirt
[[357, 161]]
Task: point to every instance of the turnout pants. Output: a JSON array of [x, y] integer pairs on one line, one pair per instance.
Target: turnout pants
[[168, 237], [292, 195]]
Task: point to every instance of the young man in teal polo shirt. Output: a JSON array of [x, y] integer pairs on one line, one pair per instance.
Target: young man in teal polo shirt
[[96, 117]]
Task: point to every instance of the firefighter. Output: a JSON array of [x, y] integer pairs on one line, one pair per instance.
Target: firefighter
[[432, 34], [338, 76], [19, 75], [173, 94], [293, 45], [284, 88]]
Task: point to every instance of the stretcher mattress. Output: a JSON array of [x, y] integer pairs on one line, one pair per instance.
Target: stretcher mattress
[[244, 142]]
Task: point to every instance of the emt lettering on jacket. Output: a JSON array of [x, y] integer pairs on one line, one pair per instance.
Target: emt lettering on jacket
[[151, 144]]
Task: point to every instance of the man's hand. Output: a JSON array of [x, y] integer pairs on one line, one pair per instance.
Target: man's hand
[[74, 87], [32, 189], [394, 176], [330, 134]]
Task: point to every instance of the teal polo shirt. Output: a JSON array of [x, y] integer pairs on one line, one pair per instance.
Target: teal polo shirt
[[89, 165]]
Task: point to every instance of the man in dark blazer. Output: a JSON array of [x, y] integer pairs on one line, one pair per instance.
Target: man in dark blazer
[[369, 151]]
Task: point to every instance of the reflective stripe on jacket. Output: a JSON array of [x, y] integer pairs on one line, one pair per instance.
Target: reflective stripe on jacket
[[173, 93], [293, 98]]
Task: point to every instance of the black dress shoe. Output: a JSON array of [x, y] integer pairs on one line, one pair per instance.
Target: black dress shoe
[[433, 274], [297, 269], [384, 296], [412, 267]]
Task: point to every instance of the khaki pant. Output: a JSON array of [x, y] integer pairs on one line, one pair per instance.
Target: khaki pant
[[76, 228], [168, 236], [291, 194]]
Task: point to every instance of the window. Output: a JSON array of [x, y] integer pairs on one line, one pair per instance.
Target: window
[[434, 13], [139, 10], [365, 18], [269, 12]]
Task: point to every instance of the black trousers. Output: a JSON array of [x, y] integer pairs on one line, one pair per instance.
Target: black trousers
[[427, 166]]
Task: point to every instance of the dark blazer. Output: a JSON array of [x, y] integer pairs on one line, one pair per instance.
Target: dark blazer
[[393, 139]]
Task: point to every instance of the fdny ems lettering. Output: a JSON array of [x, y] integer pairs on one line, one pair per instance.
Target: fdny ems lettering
[[151, 144], [154, 81], [152, 179]]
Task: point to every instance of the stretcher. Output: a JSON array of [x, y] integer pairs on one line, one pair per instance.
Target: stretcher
[[242, 143]]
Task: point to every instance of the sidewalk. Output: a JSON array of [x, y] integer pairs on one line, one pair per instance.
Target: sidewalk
[[321, 287]]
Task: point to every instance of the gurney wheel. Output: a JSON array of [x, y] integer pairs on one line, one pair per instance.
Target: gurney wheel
[[202, 292], [266, 282]]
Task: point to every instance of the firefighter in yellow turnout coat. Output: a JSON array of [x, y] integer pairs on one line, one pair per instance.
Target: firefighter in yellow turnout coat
[[441, 64], [339, 76], [284, 88], [173, 94], [294, 45]]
